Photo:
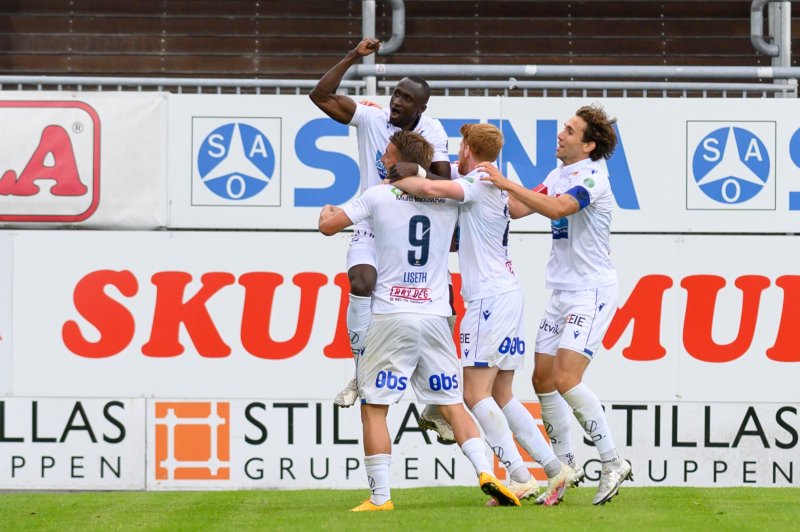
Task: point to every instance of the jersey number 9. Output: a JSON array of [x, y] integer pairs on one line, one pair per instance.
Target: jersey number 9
[[419, 236]]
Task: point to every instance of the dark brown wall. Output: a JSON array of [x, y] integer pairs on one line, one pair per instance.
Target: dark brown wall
[[301, 39]]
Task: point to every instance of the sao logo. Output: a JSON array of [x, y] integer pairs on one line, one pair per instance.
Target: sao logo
[[236, 162], [731, 166]]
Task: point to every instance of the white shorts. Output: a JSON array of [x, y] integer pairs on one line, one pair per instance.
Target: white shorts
[[577, 320], [362, 246], [493, 332], [409, 349]]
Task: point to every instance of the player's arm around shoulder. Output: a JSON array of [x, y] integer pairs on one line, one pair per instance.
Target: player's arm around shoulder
[[440, 170], [427, 188], [549, 206], [517, 209]]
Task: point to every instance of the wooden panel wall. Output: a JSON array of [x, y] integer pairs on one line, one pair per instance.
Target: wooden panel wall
[[301, 39]]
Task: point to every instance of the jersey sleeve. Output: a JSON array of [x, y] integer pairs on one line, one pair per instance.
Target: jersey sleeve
[[363, 114], [438, 139], [547, 185], [454, 171], [474, 189], [360, 208], [590, 183], [581, 195], [468, 188]]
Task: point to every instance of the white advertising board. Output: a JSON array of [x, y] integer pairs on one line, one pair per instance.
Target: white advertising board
[[292, 444], [681, 165], [698, 374], [48, 443], [231, 314], [288, 444], [88, 159], [6, 301], [702, 444]]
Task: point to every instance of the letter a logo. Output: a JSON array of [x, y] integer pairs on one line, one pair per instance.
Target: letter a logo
[[50, 170]]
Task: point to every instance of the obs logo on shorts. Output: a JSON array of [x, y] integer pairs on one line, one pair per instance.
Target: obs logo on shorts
[[730, 165], [236, 161]]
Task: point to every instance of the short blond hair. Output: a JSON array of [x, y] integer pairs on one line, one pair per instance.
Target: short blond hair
[[484, 140], [413, 148]]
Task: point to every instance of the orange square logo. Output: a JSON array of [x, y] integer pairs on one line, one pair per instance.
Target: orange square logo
[[192, 441], [536, 470]]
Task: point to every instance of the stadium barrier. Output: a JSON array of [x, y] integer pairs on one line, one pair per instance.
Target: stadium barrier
[[203, 355]]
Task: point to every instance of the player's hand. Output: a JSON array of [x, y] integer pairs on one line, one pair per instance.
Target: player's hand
[[493, 175], [370, 103], [367, 46], [401, 170]]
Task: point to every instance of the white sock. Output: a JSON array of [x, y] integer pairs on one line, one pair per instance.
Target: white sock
[[377, 467], [359, 316], [530, 437], [589, 411], [498, 436], [475, 451], [556, 415]]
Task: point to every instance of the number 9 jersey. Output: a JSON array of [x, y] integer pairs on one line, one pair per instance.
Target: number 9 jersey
[[412, 240]]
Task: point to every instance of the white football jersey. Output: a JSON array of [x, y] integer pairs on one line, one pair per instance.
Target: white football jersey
[[373, 132], [412, 240], [483, 223], [580, 256]]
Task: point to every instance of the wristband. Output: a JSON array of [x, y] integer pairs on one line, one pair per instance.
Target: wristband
[[421, 172]]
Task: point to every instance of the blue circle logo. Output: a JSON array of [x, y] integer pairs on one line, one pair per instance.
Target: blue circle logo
[[236, 161], [731, 165], [794, 148]]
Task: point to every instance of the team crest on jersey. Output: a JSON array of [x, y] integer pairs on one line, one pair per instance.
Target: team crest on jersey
[[589, 182], [379, 165], [409, 294]]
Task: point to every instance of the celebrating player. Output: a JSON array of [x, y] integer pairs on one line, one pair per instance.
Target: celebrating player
[[374, 126], [493, 330], [577, 197], [409, 341]]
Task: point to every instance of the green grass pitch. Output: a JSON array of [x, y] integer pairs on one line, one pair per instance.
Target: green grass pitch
[[417, 509]]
